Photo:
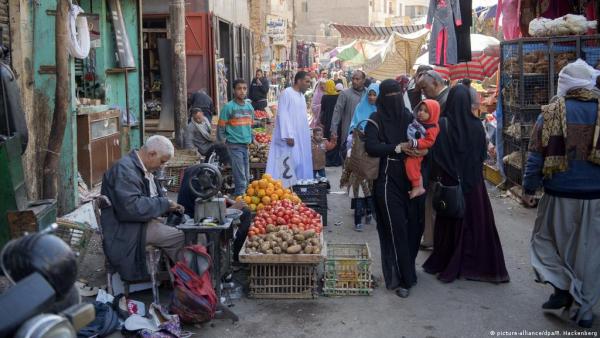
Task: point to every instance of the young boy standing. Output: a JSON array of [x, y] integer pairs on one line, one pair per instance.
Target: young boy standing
[[318, 152], [235, 129]]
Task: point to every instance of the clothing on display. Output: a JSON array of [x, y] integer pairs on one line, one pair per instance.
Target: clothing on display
[[442, 17], [463, 32]]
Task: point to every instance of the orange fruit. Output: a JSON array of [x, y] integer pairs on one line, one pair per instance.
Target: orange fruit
[[248, 199], [274, 197], [252, 207], [260, 206], [270, 191], [267, 176], [262, 184], [295, 199], [255, 184], [255, 200], [250, 192], [261, 192], [270, 186], [266, 200], [279, 192]]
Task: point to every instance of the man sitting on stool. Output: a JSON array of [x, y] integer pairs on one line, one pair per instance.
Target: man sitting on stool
[[132, 223], [188, 200]]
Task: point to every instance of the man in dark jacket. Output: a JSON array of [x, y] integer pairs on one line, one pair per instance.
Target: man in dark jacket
[[259, 88], [202, 101], [132, 223]]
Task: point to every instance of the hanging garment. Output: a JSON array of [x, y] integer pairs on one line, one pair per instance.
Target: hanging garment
[[553, 9], [463, 32], [509, 9], [441, 18]]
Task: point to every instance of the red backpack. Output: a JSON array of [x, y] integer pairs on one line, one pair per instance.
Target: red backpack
[[194, 298]]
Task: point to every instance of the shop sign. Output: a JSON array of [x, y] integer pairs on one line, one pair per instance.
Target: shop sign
[[277, 29]]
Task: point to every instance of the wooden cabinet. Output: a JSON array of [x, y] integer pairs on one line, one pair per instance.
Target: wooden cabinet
[[98, 144]]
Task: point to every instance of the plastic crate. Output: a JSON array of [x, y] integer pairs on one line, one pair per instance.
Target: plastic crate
[[348, 270], [314, 194], [283, 281], [76, 235], [321, 210]]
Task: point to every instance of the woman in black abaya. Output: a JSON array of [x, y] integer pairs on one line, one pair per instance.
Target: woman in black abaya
[[400, 220], [469, 247]]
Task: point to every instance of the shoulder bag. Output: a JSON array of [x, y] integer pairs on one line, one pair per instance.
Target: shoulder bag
[[360, 162], [448, 200]]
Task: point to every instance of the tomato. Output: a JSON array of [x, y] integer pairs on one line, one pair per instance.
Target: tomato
[[281, 221], [263, 231], [251, 233], [269, 220], [280, 213]]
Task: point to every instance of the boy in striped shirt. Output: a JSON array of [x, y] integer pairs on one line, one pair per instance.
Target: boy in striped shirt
[[235, 129]]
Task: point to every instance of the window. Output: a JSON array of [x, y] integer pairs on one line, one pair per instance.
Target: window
[[390, 8], [305, 6]]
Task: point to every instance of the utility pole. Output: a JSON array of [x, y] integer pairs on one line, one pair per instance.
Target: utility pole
[[177, 19], [61, 102]]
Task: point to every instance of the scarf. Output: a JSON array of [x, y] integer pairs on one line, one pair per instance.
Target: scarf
[[364, 109], [204, 128], [392, 117], [554, 132], [330, 88]]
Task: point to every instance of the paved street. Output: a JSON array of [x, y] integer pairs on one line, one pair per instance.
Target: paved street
[[434, 309]]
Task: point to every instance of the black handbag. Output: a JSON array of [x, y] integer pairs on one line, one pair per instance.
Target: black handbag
[[448, 200]]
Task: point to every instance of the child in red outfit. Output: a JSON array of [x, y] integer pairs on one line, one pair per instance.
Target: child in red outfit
[[422, 133]]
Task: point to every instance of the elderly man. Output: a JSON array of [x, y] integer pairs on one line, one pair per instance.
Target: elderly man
[[344, 109], [132, 222], [434, 87], [414, 90], [564, 159]]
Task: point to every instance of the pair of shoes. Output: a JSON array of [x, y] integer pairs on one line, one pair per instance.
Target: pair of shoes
[[558, 300], [358, 227], [402, 292]]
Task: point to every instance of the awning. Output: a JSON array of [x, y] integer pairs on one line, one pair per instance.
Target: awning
[[373, 33]]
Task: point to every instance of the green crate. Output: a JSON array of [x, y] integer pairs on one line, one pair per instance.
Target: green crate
[[348, 270]]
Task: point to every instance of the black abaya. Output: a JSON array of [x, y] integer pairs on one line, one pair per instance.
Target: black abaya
[[327, 106]]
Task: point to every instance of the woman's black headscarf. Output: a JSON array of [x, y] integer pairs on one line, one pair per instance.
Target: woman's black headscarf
[[461, 150], [393, 118]]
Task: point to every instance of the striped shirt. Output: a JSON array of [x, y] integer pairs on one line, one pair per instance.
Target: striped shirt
[[235, 123]]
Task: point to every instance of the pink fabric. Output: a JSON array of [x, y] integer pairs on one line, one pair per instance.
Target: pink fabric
[[510, 18], [315, 106], [439, 50]]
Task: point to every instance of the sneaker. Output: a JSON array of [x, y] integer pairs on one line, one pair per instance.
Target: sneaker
[[358, 227]]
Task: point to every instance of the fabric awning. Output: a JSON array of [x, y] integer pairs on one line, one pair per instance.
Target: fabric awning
[[373, 33]]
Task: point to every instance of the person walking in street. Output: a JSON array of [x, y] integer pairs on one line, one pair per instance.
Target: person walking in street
[[362, 199], [235, 129], [202, 101], [328, 103], [399, 219], [468, 247], [434, 88], [315, 106], [291, 137], [564, 159], [259, 89], [344, 109], [198, 133]]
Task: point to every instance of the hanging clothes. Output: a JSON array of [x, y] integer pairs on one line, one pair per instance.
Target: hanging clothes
[[442, 16], [509, 9], [553, 9], [463, 32]]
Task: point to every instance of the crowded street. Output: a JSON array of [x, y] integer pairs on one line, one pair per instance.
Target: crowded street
[[299, 168]]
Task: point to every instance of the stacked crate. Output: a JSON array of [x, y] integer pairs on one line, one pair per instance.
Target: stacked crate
[[529, 79], [315, 197]]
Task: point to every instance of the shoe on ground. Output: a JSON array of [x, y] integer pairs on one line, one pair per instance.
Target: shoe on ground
[[402, 292], [558, 301], [358, 227]]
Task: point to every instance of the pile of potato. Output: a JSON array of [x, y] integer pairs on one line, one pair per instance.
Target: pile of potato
[[258, 152], [283, 240]]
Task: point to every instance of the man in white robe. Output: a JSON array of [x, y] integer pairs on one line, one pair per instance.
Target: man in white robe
[[291, 136]]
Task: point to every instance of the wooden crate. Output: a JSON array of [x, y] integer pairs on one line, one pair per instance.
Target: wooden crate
[[283, 281], [259, 258]]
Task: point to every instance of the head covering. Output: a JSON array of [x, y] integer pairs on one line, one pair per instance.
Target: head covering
[[433, 107], [403, 80], [576, 75], [364, 109], [339, 87], [330, 88], [316, 104], [392, 117], [461, 147]]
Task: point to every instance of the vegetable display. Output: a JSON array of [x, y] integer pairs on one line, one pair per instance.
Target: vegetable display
[[264, 192], [258, 152]]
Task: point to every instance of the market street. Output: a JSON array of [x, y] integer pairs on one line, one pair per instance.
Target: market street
[[433, 309]]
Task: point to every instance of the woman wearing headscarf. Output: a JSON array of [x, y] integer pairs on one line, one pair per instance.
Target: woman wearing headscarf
[[399, 219], [315, 106], [328, 101], [469, 247], [362, 202]]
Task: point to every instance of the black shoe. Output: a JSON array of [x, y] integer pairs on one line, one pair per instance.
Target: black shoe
[[558, 300], [402, 292], [586, 323]]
